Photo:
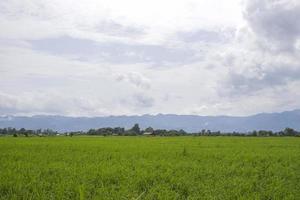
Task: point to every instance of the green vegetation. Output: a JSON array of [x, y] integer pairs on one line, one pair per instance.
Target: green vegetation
[[135, 131], [149, 168]]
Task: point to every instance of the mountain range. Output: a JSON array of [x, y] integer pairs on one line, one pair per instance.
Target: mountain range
[[189, 123]]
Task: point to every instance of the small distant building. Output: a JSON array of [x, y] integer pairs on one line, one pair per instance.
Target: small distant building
[[148, 133]]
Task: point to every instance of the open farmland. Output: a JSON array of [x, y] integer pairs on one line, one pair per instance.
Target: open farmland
[[149, 168]]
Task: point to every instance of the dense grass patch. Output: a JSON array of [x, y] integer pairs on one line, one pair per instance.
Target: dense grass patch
[[149, 168]]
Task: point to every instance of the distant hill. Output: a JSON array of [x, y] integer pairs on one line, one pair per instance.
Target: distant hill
[[190, 123]]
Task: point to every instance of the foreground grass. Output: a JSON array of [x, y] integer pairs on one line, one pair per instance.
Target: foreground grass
[[149, 168]]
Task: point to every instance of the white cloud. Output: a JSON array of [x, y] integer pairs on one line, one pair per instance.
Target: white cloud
[[114, 57], [136, 79], [275, 23], [91, 19]]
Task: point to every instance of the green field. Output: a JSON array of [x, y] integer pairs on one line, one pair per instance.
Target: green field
[[149, 168]]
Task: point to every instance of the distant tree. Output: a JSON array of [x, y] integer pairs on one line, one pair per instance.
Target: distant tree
[[10, 131], [161, 132], [289, 132], [218, 133], [3, 131], [270, 133], [208, 132], [91, 132], [119, 131], [149, 130], [49, 132], [39, 131], [22, 130], [136, 129], [172, 133], [254, 133], [182, 132]]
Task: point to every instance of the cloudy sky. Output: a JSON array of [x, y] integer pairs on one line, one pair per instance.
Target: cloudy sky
[[116, 57]]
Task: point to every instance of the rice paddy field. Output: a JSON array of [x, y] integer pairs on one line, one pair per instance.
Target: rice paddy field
[[149, 168]]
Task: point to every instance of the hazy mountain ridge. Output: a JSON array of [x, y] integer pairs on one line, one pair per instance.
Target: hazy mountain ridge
[[190, 123]]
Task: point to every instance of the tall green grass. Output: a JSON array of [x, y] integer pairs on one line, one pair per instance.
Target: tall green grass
[[149, 168]]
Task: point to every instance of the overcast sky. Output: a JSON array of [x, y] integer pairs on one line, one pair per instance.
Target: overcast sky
[[116, 57]]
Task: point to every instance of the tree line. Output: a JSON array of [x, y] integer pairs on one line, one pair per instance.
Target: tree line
[[136, 130]]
